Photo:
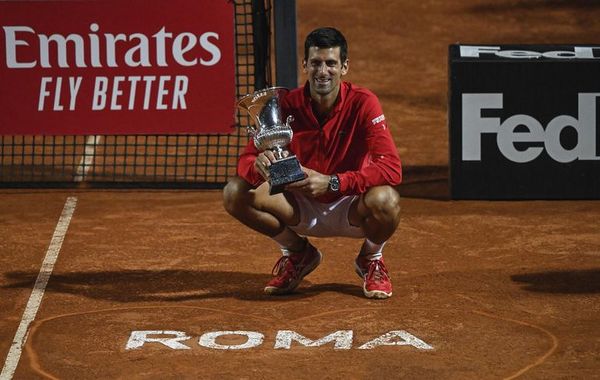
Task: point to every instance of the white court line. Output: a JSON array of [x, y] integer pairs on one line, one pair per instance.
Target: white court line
[[14, 354], [87, 158]]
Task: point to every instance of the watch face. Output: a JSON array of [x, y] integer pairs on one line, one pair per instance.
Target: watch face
[[334, 183]]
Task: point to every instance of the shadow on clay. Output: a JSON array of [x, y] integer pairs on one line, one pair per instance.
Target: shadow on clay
[[427, 182], [561, 282], [171, 285]]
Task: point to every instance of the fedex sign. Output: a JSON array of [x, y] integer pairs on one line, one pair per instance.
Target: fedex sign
[[575, 52], [523, 121], [474, 126]]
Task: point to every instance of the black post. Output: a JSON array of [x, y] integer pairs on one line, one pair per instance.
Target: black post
[[260, 27], [285, 43]]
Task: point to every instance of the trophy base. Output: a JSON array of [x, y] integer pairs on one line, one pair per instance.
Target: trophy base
[[284, 171]]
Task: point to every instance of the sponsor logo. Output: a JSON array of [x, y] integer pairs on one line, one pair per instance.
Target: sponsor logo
[[102, 70], [284, 340], [378, 119], [27, 49], [578, 52], [507, 136], [187, 49]]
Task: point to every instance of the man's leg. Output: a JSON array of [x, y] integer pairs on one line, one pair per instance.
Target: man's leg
[[377, 212], [270, 215], [264, 213]]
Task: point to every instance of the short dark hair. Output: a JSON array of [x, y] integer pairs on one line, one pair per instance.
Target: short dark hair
[[327, 37]]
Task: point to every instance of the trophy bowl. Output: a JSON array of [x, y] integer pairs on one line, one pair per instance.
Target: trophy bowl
[[270, 132]]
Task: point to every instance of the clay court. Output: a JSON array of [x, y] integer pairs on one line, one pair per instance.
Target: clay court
[[482, 289]]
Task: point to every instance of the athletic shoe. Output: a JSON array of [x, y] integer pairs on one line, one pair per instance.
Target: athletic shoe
[[291, 268], [377, 281]]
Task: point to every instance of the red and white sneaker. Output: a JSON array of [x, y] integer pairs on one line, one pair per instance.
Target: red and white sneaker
[[290, 269], [377, 281]]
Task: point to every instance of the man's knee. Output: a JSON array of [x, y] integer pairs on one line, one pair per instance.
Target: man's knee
[[383, 200], [235, 195]]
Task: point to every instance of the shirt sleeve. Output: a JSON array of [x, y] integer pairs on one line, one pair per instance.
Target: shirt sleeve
[[245, 167], [382, 165]]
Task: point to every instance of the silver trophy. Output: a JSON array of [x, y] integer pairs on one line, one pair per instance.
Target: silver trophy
[[269, 132]]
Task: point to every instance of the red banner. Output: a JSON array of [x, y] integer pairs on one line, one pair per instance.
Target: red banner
[[116, 67]]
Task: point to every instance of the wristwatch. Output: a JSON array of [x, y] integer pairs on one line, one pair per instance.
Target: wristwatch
[[334, 183]]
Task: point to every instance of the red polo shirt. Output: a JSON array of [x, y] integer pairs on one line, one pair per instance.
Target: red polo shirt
[[354, 142]]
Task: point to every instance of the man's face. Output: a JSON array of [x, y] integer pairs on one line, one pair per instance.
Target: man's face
[[324, 69]]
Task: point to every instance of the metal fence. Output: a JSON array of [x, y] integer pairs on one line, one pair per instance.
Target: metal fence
[[204, 160]]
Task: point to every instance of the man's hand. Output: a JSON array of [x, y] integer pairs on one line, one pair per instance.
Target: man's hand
[[315, 184], [263, 162]]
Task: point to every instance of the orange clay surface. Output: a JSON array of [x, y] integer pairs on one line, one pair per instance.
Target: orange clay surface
[[496, 289]]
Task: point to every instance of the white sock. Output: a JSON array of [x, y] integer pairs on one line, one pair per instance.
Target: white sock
[[286, 239], [372, 251]]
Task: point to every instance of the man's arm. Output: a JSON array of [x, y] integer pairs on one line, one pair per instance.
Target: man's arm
[[247, 162], [254, 166], [382, 165]]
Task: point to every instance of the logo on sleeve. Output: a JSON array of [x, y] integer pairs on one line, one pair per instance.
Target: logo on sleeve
[[378, 119]]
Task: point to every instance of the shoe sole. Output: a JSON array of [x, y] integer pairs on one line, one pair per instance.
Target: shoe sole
[[376, 294], [272, 290]]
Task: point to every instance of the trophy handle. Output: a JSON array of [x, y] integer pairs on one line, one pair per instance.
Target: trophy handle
[[289, 119], [251, 130]]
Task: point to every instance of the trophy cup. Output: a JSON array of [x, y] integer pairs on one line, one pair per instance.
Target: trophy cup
[[269, 132]]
